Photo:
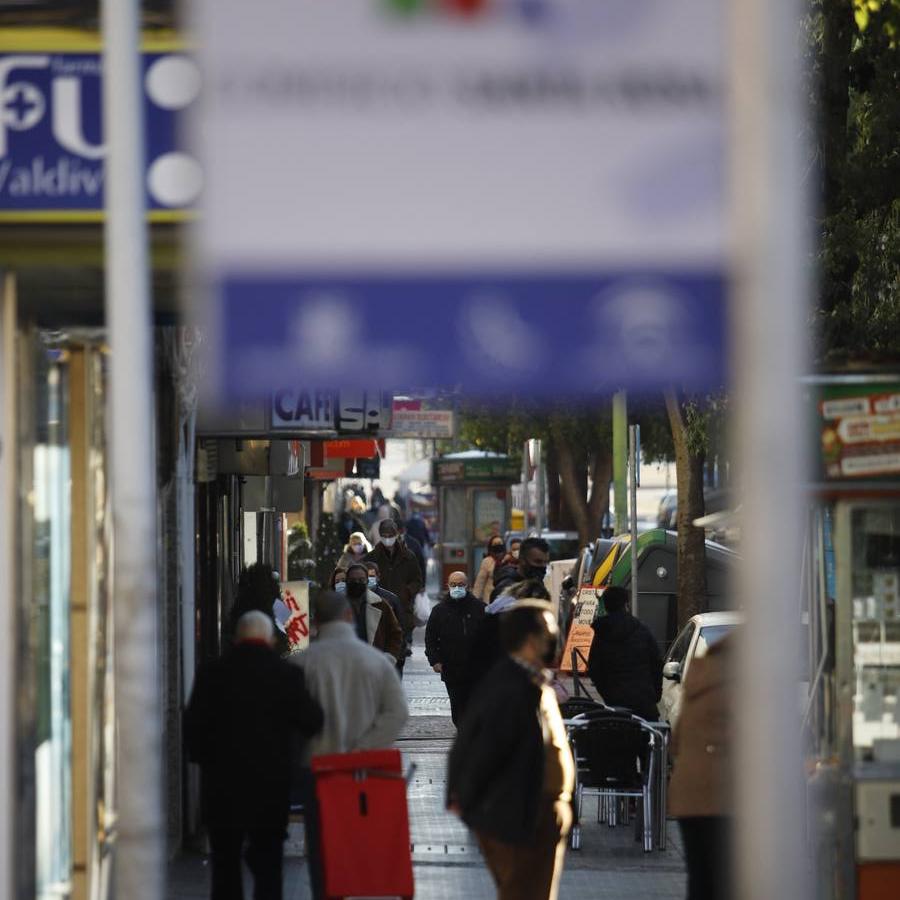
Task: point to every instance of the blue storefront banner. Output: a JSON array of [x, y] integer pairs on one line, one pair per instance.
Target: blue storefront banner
[[51, 136], [491, 333]]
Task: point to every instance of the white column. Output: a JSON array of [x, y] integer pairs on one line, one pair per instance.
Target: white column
[[771, 295], [140, 865]]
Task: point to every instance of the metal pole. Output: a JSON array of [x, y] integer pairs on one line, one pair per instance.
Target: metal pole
[[539, 485], [9, 567], [526, 501], [633, 458], [140, 863], [620, 459], [769, 314]]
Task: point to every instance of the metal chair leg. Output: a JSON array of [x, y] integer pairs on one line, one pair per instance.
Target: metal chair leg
[[648, 820], [575, 834]]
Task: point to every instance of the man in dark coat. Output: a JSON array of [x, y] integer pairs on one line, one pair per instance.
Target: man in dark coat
[[400, 574], [511, 773], [449, 637], [487, 649], [416, 528], [415, 547], [534, 557], [245, 709], [624, 662]]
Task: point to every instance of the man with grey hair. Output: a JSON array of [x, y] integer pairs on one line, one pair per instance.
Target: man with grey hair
[[245, 709], [360, 693]]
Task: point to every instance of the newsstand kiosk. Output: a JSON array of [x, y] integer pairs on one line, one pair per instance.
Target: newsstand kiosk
[[852, 581], [473, 503]]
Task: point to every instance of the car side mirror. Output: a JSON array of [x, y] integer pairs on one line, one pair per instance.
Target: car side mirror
[[672, 671]]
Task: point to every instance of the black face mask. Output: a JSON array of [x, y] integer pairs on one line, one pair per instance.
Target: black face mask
[[356, 589], [537, 572]]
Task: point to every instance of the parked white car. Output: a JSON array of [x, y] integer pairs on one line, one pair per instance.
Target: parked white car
[[700, 633]]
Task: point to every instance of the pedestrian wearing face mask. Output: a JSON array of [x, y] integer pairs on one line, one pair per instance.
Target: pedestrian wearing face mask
[[339, 580], [512, 557], [534, 557], [355, 551], [373, 619], [449, 637], [510, 774], [389, 597], [484, 581], [400, 574]]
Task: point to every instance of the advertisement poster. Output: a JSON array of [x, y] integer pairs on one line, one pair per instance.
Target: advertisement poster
[[587, 607], [296, 598], [860, 431]]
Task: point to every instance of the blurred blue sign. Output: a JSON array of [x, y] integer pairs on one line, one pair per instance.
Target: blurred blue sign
[[532, 202], [537, 332], [51, 137]]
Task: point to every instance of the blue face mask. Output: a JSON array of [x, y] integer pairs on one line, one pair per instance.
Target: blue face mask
[[457, 593], [373, 581], [341, 587]]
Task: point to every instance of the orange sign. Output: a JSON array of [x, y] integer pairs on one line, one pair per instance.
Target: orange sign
[[354, 448], [587, 603]]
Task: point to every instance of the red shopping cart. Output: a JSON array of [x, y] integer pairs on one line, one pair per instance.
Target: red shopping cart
[[364, 825]]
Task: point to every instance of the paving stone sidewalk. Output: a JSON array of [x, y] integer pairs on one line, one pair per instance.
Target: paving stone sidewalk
[[446, 859]]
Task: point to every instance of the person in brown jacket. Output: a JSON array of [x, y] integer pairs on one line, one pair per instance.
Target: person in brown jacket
[[400, 574], [484, 581], [373, 617], [700, 790]]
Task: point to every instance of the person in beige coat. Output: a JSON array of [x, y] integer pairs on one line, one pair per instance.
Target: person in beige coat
[[357, 547], [484, 581], [700, 790]]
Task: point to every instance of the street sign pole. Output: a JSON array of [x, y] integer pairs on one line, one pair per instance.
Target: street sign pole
[[620, 459], [140, 860], [771, 290], [634, 465]]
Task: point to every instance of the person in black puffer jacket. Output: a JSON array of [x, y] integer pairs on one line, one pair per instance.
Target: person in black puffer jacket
[[624, 662], [449, 638]]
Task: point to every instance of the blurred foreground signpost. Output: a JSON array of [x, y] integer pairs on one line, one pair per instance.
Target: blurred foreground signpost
[[527, 197], [139, 869], [770, 436], [532, 197]]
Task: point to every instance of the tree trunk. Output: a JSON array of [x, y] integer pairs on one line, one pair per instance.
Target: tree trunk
[[601, 473], [554, 496], [691, 551], [573, 481]]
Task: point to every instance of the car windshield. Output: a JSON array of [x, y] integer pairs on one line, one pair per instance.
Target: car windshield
[[710, 635]]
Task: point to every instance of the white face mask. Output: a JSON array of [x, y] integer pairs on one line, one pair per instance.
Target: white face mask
[[515, 554], [356, 549], [457, 592], [389, 541], [341, 587], [373, 581]]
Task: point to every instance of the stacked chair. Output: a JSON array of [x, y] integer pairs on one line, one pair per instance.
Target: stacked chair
[[615, 755]]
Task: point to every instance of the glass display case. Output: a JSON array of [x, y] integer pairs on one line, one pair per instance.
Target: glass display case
[[875, 592]]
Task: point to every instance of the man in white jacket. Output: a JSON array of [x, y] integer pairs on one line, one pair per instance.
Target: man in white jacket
[[361, 697]]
